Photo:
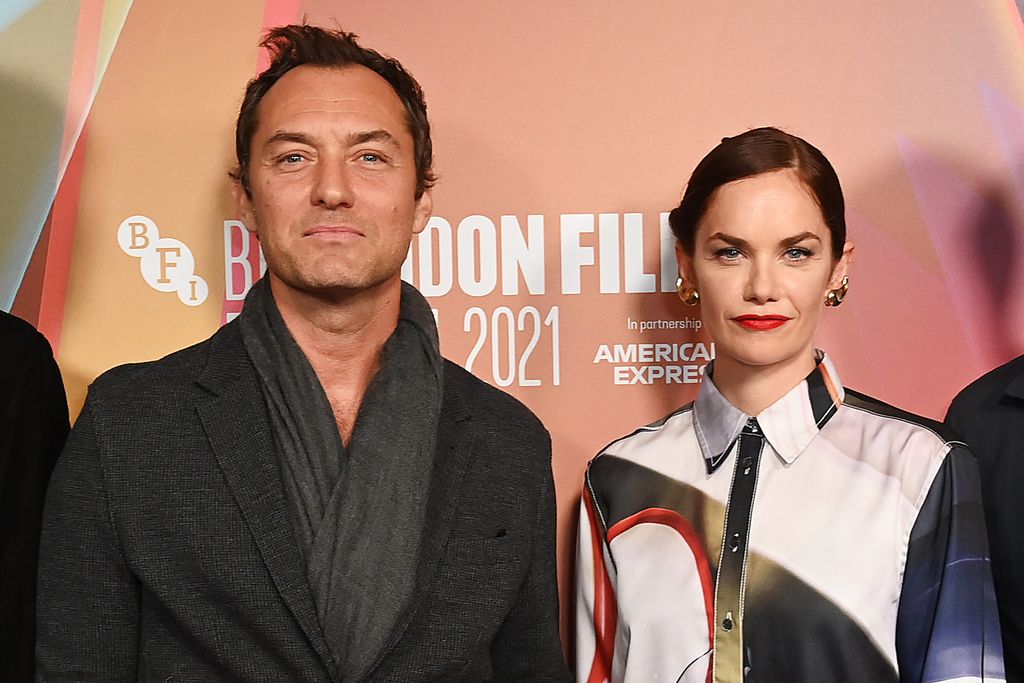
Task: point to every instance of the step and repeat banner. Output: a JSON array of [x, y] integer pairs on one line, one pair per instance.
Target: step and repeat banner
[[563, 133]]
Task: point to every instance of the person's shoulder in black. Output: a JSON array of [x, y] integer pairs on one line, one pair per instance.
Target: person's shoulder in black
[[989, 416], [1000, 388], [33, 426]]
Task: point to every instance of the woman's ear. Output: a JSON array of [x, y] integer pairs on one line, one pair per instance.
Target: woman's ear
[[685, 263], [841, 268]]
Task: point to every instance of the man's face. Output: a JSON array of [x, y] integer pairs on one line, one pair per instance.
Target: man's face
[[333, 181]]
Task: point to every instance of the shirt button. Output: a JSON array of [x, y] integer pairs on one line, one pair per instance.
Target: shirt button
[[747, 463], [734, 542], [727, 624]]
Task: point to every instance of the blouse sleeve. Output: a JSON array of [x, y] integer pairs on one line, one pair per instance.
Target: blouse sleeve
[[947, 626], [596, 612]]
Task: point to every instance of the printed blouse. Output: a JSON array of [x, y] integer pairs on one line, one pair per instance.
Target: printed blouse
[[830, 538]]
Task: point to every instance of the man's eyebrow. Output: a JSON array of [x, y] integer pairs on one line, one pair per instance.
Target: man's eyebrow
[[379, 135], [289, 136], [362, 137]]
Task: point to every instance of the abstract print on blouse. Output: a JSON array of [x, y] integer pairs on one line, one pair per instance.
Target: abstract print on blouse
[[842, 494]]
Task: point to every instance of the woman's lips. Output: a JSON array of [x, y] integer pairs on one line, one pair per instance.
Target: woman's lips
[[761, 322]]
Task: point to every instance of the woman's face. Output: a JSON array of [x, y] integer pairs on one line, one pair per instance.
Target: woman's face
[[762, 264]]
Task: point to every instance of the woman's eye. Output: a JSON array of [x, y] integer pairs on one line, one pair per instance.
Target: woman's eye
[[729, 253], [797, 254]]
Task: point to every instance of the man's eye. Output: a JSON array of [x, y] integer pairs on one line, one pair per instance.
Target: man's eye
[[371, 157], [293, 158]]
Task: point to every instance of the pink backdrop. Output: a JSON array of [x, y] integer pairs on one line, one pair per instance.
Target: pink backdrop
[[563, 131]]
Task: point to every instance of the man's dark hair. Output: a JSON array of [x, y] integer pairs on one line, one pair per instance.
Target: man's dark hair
[[298, 45], [761, 150]]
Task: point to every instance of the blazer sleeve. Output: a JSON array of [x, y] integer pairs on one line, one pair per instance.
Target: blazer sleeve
[[33, 427], [596, 611], [527, 647], [87, 605], [947, 625]]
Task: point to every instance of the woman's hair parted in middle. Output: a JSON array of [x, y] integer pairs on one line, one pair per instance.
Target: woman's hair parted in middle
[[757, 151]]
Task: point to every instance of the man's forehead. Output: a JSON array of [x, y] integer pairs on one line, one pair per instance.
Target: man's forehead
[[352, 90]]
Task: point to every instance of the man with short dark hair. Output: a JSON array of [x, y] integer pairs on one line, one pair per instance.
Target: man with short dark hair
[[314, 493]]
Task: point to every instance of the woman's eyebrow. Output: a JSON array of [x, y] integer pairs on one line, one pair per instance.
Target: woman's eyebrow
[[797, 239]]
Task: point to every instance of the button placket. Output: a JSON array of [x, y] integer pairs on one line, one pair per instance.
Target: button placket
[[730, 587]]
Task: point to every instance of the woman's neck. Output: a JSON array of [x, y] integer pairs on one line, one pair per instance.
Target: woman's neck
[[752, 388]]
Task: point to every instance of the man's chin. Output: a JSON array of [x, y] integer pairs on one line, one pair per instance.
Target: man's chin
[[345, 287]]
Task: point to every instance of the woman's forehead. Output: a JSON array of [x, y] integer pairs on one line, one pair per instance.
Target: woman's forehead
[[765, 202]]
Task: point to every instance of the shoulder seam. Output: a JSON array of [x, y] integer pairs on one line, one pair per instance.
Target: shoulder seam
[[597, 505], [652, 427], [901, 418]]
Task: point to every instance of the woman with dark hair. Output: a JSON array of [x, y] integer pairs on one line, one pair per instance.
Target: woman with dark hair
[[781, 527]]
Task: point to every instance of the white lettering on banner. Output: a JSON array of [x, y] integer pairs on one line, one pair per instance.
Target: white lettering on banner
[[575, 255], [478, 245], [474, 258], [637, 281], [509, 360], [519, 255], [612, 261], [482, 256], [167, 265], [659, 324], [669, 267], [653, 374], [235, 288], [238, 275], [648, 353], [608, 239], [429, 285], [656, 363]]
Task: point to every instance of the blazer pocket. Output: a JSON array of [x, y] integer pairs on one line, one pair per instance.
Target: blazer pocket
[[469, 598], [475, 549]]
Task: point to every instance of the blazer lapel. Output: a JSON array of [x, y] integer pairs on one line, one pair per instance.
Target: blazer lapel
[[1015, 388], [235, 422], [451, 459]]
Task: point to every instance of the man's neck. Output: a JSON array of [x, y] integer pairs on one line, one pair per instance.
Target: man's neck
[[342, 336], [754, 388]]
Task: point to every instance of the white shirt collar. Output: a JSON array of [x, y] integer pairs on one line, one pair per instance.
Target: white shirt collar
[[789, 424]]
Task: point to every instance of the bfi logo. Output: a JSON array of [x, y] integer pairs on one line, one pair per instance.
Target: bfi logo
[[167, 265]]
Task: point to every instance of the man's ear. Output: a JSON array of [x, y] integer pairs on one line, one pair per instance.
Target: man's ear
[[841, 268], [421, 214], [243, 205]]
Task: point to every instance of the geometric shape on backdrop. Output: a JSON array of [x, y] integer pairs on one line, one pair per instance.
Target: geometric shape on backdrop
[[979, 245], [12, 10]]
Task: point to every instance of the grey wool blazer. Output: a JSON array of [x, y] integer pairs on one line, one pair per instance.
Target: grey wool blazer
[[168, 551]]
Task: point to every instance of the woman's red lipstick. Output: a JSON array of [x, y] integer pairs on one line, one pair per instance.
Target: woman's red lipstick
[[761, 322]]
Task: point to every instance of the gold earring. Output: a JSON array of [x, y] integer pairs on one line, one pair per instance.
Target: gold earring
[[688, 295], [836, 296]]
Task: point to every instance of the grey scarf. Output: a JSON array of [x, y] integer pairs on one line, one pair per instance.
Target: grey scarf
[[358, 512]]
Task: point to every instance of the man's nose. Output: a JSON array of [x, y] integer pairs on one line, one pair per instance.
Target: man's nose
[[332, 186]]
